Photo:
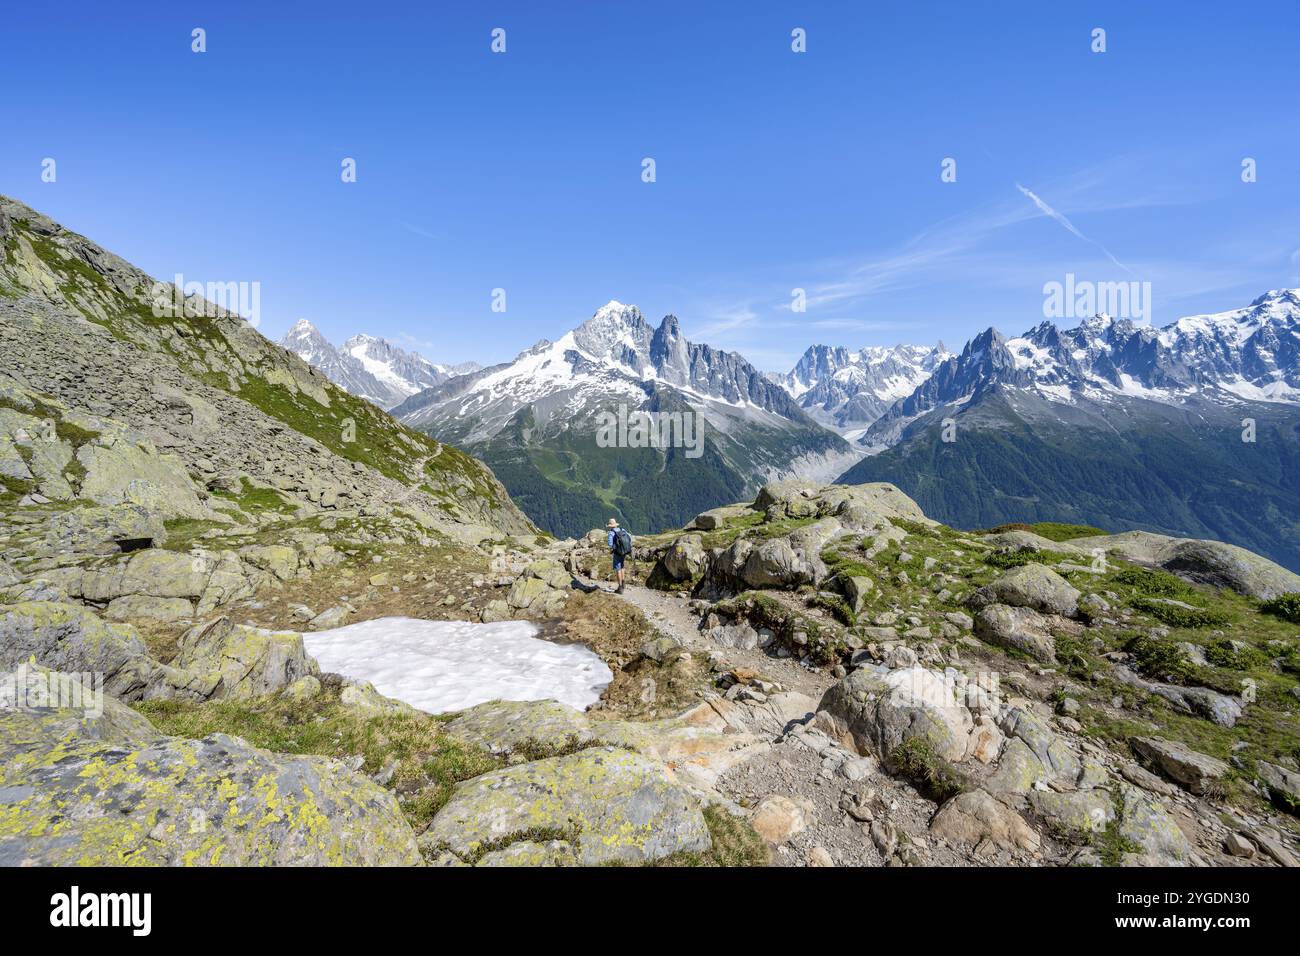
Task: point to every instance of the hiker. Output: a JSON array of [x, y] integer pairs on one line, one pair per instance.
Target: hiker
[[620, 548]]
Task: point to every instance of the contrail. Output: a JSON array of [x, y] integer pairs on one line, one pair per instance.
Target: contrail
[[1059, 217]]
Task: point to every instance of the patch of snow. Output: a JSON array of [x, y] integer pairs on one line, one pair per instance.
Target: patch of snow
[[442, 666]]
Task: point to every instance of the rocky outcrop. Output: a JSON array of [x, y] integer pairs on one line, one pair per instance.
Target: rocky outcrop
[[1204, 562]]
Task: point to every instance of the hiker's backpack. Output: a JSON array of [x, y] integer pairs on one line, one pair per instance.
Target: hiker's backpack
[[622, 542]]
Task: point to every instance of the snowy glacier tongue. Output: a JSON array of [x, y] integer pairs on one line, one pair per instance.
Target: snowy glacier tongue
[[441, 666]]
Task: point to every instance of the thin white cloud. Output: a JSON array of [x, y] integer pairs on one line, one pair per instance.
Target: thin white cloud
[[1061, 218]]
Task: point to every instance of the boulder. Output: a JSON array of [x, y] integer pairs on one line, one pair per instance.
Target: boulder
[[141, 607], [1184, 766], [975, 815], [1034, 586], [119, 472], [875, 712], [610, 804], [1144, 823], [508, 726], [277, 559], [1018, 628], [778, 819], [109, 790], [1075, 814], [71, 639], [101, 529], [153, 572], [244, 661], [858, 590], [684, 559]]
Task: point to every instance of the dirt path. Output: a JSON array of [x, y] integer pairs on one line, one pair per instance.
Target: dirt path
[[812, 771], [671, 613]]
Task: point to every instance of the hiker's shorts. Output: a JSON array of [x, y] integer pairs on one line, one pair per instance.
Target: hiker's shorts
[[618, 562]]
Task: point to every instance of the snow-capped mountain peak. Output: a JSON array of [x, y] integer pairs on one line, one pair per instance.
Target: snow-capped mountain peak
[[368, 366], [847, 390]]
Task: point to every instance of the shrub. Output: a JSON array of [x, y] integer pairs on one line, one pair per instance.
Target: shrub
[[1286, 606], [1161, 659], [1152, 581], [1222, 653], [915, 761], [1175, 615]]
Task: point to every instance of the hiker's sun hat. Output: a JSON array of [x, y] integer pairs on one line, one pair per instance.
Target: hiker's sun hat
[[612, 523]]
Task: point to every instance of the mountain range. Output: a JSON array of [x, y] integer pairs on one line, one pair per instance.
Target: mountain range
[[370, 367], [1190, 429], [537, 421]]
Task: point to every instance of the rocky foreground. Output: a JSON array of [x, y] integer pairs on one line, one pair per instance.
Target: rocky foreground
[[823, 677]]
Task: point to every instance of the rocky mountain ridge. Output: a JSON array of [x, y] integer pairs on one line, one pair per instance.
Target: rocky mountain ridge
[[370, 367]]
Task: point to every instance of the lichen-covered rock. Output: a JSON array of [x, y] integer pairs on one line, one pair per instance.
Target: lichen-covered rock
[[611, 804], [1144, 823], [101, 529], [530, 853], [119, 472], [244, 661], [278, 559], [141, 607], [1074, 814], [71, 639], [684, 559], [112, 791], [876, 712], [506, 726], [153, 572]]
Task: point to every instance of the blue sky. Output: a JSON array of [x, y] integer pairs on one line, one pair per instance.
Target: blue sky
[[775, 170]]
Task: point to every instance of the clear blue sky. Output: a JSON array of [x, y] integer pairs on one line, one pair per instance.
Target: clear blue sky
[[775, 170]]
